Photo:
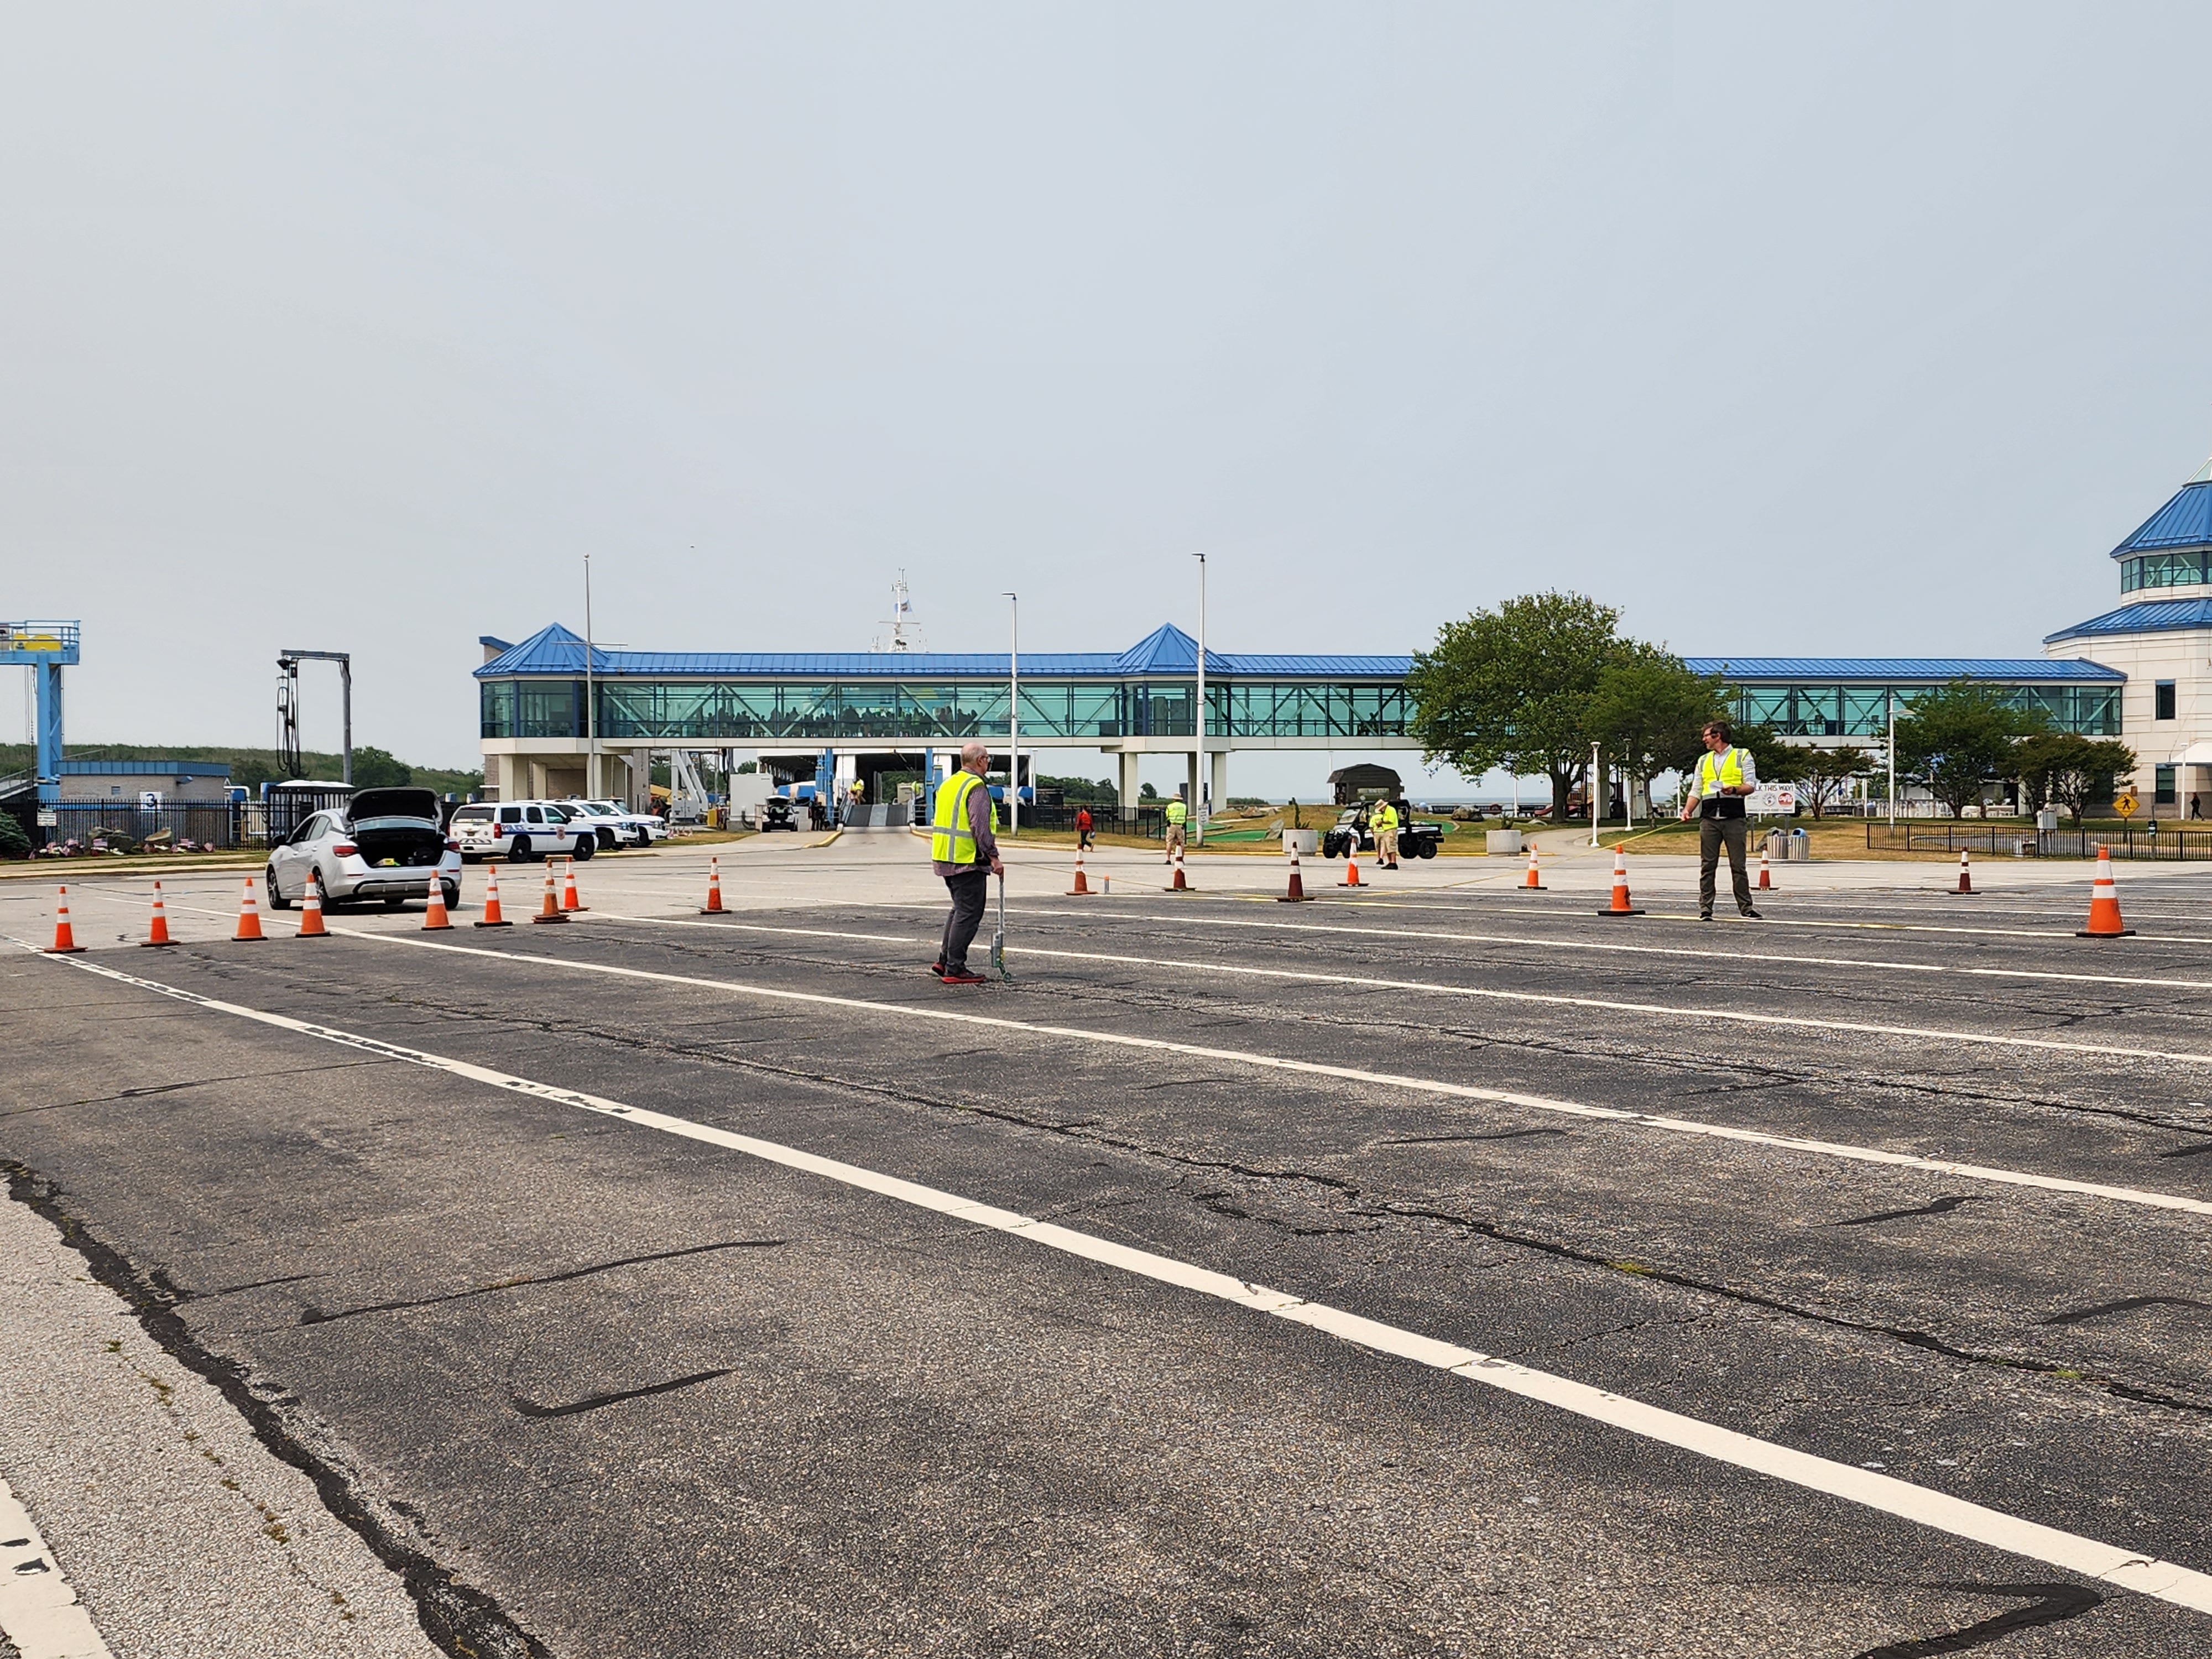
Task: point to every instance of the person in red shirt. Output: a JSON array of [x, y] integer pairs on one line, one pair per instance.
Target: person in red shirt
[[1082, 826]]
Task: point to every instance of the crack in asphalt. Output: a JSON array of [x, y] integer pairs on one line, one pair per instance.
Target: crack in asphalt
[[458, 1619], [595, 1403], [2123, 1305], [2048, 1604], [314, 1316], [1940, 1206]]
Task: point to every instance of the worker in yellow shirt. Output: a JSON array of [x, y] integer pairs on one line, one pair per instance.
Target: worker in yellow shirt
[[1383, 821], [1177, 813]]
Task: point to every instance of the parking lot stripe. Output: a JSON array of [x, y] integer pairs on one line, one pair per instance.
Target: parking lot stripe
[[39, 1613], [1922, 1505], [1343, 1073], [1735, 1016]]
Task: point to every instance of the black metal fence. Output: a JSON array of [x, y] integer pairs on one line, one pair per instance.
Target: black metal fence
[[106, 827], [2172, 844]]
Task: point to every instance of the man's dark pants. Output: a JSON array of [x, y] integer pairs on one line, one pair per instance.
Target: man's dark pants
[[968, 888], [1712, 835]]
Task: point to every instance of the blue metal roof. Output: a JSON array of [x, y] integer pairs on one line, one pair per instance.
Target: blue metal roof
[[2184, 521], [1899, 670], [1168, 650], [2144, 617]]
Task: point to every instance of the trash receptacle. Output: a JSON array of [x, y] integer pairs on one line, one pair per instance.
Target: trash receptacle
[[1501, 840]]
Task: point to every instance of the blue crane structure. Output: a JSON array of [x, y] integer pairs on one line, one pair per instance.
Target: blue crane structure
[[46, 648]]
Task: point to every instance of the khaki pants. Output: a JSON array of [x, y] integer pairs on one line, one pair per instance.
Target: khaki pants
[[1386, 846], [1713, 834], [1175, 839]]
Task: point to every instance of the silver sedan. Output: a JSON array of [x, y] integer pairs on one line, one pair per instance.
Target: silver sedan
[[383, 844]]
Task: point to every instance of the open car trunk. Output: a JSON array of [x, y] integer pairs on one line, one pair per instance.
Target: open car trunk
[[396, 828]]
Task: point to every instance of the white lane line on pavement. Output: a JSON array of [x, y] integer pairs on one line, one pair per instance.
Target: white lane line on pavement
[[2070, 1551], [1342, 1073], [1945, 1033], [39, 1609], [1711, 957]]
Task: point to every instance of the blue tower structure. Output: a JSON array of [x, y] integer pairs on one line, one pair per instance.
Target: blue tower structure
[[46, 648]]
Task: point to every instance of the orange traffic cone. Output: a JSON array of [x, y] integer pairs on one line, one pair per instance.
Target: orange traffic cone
[[1965, 881], [550, 909], [491, 917], [157, 931], [713, 887], [64, 943], [1533, 882], [1620, 907], [1082, 888], [568, 899], [1350, 866], [1298, 894], [1179, 885], [2103, 902], [311, 909], [1766, 880], [249, 916], [434, 919]]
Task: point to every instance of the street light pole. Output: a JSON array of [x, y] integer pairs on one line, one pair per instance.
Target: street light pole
[[1593, 794], [1013, 713], [1200, 792], [591, 698], [1892, 760]]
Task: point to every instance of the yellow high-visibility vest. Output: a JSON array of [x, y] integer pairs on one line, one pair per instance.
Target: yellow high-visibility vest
[[1384, 816], [1176, 809], [952, 840], [1721, 771]]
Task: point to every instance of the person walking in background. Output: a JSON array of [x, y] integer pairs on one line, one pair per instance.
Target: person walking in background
[[1383, 821], [965, 853], [1723, 776], [1177, 813], [1082, 828]]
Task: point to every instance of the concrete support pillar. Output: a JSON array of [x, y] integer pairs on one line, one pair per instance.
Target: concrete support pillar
[[1219, 783], [1190, 782], [1129, 783]]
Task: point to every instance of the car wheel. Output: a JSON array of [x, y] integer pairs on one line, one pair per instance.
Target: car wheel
[[586, 846], [276, 900], [520, 850], [395, 901], [1428, 849], [643, 836], [452, 890], [607, 840]]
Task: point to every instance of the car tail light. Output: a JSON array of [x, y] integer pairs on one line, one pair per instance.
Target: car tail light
[[345, 849], [452, 847]]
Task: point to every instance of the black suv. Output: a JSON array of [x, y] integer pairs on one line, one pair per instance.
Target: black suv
[[1415, 841]]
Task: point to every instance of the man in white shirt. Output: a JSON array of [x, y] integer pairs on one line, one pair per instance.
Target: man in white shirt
[[1723, 776]]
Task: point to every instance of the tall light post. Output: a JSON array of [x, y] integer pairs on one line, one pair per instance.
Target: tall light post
[[1014, 713], [1201, 789], [1892, 760], [1594, 791], [591, 696]]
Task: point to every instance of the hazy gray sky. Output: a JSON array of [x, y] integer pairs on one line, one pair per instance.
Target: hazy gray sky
[[1863, 331]]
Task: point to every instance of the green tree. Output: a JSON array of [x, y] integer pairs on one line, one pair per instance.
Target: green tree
[[14, 839], [1648, 711], [1957, 739], [2070, 769], [1824, 774], [1512, 687], [375, 768]]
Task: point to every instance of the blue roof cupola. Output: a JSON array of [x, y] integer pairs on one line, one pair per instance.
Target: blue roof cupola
[[1166, 650], [2184, 523]]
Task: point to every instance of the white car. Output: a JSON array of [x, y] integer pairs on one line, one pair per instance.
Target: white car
[[382, 844], [520, 829], [617, 825]]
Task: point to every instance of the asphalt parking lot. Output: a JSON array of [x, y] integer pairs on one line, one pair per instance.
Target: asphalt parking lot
[[1439, 1270]]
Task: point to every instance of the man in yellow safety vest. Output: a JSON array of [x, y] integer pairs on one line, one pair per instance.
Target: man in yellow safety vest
[[1177, 813], [966, 854], [1723, 777], [1383, 821]]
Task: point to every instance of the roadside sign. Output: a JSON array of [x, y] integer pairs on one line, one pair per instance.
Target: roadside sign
[[2124, 803], [1768, 800], [150, 801], [49, 818]]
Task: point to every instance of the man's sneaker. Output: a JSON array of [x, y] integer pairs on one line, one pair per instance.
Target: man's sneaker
[[938, 969], [1705, 915], [964, 977], [1751, 916]]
